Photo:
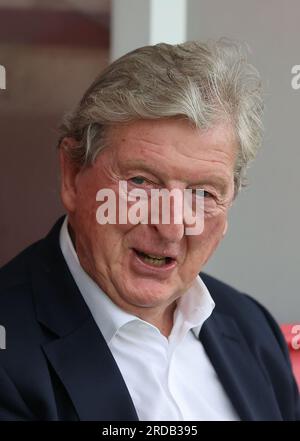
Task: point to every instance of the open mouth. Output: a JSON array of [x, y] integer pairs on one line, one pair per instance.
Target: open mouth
[[157, 261]]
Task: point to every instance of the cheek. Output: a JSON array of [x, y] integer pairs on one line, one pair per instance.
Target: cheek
[[201, 247], [86, 203], [100, 247], [214, 227], [108, 243]]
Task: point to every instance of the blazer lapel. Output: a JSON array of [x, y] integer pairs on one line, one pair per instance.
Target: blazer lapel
[[86, 367], [76, 350], [242, 378]]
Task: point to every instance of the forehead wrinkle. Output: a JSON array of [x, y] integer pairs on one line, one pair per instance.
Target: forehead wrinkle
[[210, 152], [186, 154], [186, 157], [139, 163], [146, 141]]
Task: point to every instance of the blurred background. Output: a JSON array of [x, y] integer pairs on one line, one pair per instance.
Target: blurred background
[[52, 50]]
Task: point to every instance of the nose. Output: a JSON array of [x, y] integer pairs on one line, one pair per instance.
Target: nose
[[170, 232], [170, 227]]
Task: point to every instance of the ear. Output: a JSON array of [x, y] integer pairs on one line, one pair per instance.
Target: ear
[[69, 172], [225, 228]]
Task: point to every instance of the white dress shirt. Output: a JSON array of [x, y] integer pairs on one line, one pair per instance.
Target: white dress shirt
[[168, 378]]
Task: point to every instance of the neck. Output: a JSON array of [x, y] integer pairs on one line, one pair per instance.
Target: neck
[[162, 319]]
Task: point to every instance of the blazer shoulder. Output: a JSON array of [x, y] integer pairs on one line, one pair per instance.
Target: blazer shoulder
[[227, 297], [17, 270], [251, 316], [254, 320], [16, 293]]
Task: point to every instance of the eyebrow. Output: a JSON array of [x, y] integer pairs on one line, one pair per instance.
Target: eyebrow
[[136, 163], [216, 180]]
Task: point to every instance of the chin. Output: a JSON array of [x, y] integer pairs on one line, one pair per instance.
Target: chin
[[147, 293]]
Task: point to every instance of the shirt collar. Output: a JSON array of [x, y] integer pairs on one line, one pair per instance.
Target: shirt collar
[[193, 308]]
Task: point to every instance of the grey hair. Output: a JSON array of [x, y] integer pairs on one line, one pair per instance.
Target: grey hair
[[205, 83]]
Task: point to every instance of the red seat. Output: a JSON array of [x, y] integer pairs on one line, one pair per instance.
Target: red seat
[[291, 333]]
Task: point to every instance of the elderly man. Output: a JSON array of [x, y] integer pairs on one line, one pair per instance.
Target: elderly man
[[110, 320]]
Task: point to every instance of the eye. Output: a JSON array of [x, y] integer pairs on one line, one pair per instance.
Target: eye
[[202, 193], [207, 194], [138, 180]]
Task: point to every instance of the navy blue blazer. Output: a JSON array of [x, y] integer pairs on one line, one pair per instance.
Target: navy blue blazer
[[57, 365]]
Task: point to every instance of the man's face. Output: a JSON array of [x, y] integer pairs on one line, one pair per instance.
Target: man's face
[[151, 154]]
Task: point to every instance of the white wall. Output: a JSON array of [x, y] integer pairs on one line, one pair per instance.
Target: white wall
[[136, 23], [260, 254]]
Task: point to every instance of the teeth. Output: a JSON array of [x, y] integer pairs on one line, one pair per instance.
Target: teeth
[[155, 261], [155, 257]]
